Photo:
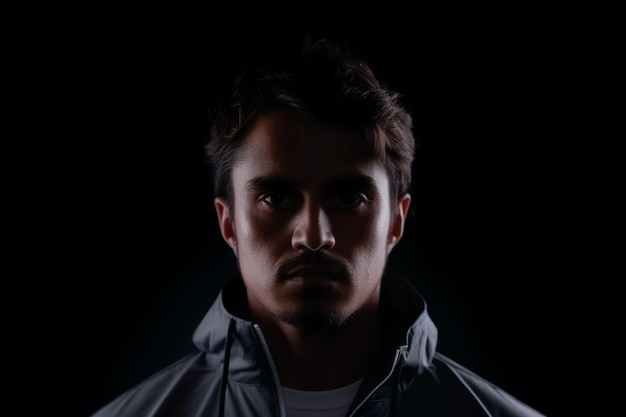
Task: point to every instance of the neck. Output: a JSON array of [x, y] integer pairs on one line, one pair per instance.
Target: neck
[[329, 358]]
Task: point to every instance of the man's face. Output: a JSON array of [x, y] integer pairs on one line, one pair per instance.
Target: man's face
[[312, 222]]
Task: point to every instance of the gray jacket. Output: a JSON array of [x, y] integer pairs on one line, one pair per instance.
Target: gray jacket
[[232, 373]]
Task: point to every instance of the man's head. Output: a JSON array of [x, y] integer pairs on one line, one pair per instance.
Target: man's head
[[324, 82], [312, 166]]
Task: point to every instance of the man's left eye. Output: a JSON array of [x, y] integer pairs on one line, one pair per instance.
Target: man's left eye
[[349, 199]]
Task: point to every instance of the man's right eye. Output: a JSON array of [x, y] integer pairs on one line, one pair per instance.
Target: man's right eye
[[277, 199]]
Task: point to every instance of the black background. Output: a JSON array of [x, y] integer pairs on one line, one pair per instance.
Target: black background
[[514, 236]]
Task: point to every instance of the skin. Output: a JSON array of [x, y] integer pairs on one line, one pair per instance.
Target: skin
[[301, 191]]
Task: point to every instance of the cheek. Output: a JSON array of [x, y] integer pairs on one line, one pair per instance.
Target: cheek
[[366, 239], [370, 228], [255, 236]]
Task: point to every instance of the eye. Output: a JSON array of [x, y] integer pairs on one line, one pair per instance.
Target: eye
[[278, 199], [349, 199]]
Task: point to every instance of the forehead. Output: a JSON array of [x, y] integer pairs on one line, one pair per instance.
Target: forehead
[[278, 143]]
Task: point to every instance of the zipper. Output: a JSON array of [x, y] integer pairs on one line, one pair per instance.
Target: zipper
[[279, 389], [385, 379]]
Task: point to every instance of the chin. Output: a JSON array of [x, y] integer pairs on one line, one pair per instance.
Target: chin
[[315, 318]]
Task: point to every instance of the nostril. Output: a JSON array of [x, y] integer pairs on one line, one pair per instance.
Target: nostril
[[313, 241], [313, 227], [313, 237]]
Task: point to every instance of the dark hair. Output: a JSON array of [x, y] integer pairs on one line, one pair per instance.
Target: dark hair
[[327, 83]]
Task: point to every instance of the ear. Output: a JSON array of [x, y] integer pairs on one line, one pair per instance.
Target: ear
[[227, 225], [397, 224]]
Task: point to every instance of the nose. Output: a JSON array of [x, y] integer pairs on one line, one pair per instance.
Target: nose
[[313, 230]]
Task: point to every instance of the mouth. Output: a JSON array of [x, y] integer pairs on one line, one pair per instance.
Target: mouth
[[314, 273], [314, 268]]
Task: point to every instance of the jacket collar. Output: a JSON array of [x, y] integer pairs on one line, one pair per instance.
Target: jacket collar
[[414, 335]]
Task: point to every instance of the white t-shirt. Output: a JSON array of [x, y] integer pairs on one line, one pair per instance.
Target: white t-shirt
[[332, 403]]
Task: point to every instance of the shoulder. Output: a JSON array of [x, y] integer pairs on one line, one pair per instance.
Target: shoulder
[[465, 385], [190, 377]]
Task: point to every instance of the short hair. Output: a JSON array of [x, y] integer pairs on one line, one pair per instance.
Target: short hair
[[326, 82]]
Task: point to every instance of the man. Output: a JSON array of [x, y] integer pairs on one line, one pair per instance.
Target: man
[[312, 167]]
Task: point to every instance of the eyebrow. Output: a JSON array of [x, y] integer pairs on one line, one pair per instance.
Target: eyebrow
[[267, 183], [352, 182], [361, 182]]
